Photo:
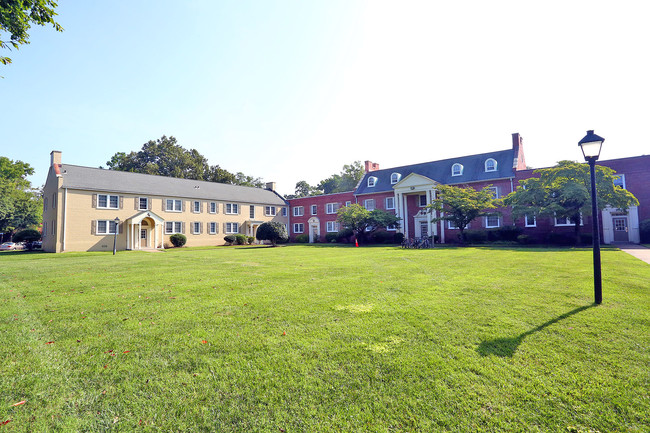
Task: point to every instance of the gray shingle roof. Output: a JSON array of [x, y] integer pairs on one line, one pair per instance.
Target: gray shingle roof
[[440, 171], [97, 179]]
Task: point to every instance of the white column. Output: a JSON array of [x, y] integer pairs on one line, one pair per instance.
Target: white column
[[127, 235], [398, 204], [430, 215], [139, 230], [155, 235], [406, 216]]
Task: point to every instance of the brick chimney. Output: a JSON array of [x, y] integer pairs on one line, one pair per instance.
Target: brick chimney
[[55, 162], [518, 162], [371, 166]]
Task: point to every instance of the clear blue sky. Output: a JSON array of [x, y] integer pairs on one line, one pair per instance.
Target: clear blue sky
[[292, 90]]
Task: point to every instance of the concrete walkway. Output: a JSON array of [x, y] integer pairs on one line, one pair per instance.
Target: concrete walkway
[[638, 251]]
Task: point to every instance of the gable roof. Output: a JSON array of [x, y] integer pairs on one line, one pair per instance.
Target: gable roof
[[97, 179], [440, 171]]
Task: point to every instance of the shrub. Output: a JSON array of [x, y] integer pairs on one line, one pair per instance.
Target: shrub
[[331, 237], [475, 236], [230, 239], [178, 240], [27, 235], [524, 239], [302, 239], [508, 233], [586, 239], [399, 238], [250, 240], [560, 239], [241, 239], [436, 238], [273, 232], [344, 235], [644, 228], [382, 237]]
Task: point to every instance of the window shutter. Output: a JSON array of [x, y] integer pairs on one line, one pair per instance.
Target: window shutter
[[224, 227], [224, 208], [136, 203], [164, 204], [183, 206], [217, 207], [238, 209], [183, 227], [93, 227], [201, 227], [216, 228], [202, 207], [120, 228], [207, 228], [149, 203], [94, 201], [121, 202]]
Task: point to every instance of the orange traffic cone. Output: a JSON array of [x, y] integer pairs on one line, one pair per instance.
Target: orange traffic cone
[[356, 242]]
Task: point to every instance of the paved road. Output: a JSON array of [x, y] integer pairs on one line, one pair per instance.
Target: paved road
[[638, 251]]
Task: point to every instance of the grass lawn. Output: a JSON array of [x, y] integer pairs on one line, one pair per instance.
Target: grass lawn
[[324, 338]]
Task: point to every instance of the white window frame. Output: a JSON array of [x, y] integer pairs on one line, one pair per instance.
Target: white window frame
[[173, 203], [270, 211], [331, 208], [108, 229], [394, 178], [313, 209], [177, 227], [196, 225], [213, 207], [232, 228], [108, 201], [452, 226], [298, 227], [494, 166], [196, 206], [212, 228], [496, 191], [251, 211], [234, 208], [622, 178], [457, 169], [392, 201], [146, 200], [487, 222], [527, 224], [332, 226], [372, 181], [367, 201], [298, 211], [284, 211], [420, 200], [567, 223], [348, 203]]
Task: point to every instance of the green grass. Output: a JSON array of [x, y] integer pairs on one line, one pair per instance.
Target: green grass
[[324, 338]]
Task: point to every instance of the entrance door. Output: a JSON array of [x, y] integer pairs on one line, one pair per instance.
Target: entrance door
[[620, 229], [143, 238], [424, 229]]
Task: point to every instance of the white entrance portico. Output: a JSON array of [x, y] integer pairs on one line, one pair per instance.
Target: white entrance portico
[[314, 229], [144, 231], [416, 222]]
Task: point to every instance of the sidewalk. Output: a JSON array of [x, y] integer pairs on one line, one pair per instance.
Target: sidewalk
[[638, 251]]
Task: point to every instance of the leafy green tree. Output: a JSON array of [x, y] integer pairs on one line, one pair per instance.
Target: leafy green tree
[[273, 232], [564, 191], [363, 222], [347, 180], [20, 205], [244, 180], [27, 235], [462, 205], [16, 18]]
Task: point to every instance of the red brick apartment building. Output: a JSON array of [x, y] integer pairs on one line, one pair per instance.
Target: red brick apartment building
[[407, 190]]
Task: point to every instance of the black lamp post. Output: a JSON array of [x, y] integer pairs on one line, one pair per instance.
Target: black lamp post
[[591, 145], [117, 229]]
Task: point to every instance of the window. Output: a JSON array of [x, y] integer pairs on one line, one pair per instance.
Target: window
[[492, 221], [269, 210], [106, 227], [332, 226], [252, 212], [390, 202], [298, 211], [619, 180], [457, 169], [298, 227], [172, 227], [196, 228], [348, 203], [143, 203], [422, 200], [530, 220], [495, 191], [314, 209], [369, 204], [331, 208], [196, 206], [54, 201], [45, 203], [213, 207], [106, 201], [284, 211], [232, 227], [394, 178], [174, 206], [44, 233], [232, 208], [490, 164], [565, 221], [452, 225], [372, 181], [212, 228]]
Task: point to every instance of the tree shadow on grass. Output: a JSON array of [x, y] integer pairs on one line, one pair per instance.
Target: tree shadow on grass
[[506, 347]]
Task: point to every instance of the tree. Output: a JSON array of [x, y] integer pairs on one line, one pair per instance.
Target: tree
[[20, 205], [273, 232], [363, 222], [16, 18], [564, 191], [347, 180], [164, 157], [462, 205]]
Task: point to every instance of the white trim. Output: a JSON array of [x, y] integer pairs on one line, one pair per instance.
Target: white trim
[[108, 227], [386, 203], [457, 165], [211, 204], [140, 203], [372, 181], [298, 211], [496, 191], [65, 217], [494, 167], [313, 209], [622, 178], [487, 219], [270, 211], [234, 208], [230, 228], [334, 208], [366, 201], [194, 203], [211, 230], [174, 201], [174, 230], [397, 178], [332, 226], [534, 224], [301, 226], [108, 201]]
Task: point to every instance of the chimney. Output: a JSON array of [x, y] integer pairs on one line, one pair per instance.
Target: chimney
[[518, 162], [371, 166], [270, 186], [55, 157]]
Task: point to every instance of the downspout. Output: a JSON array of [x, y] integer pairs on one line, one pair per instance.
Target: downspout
[[65, 214]]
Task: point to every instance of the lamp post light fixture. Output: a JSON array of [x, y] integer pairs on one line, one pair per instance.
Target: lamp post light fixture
[[117, 229], [591, 145]]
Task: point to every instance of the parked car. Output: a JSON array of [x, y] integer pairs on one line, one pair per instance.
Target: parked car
[[7, 246], [37, 245]]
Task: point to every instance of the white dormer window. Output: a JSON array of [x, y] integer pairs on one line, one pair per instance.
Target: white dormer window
[[490, 164], [372, 181], [394, 178], [457, 169]]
